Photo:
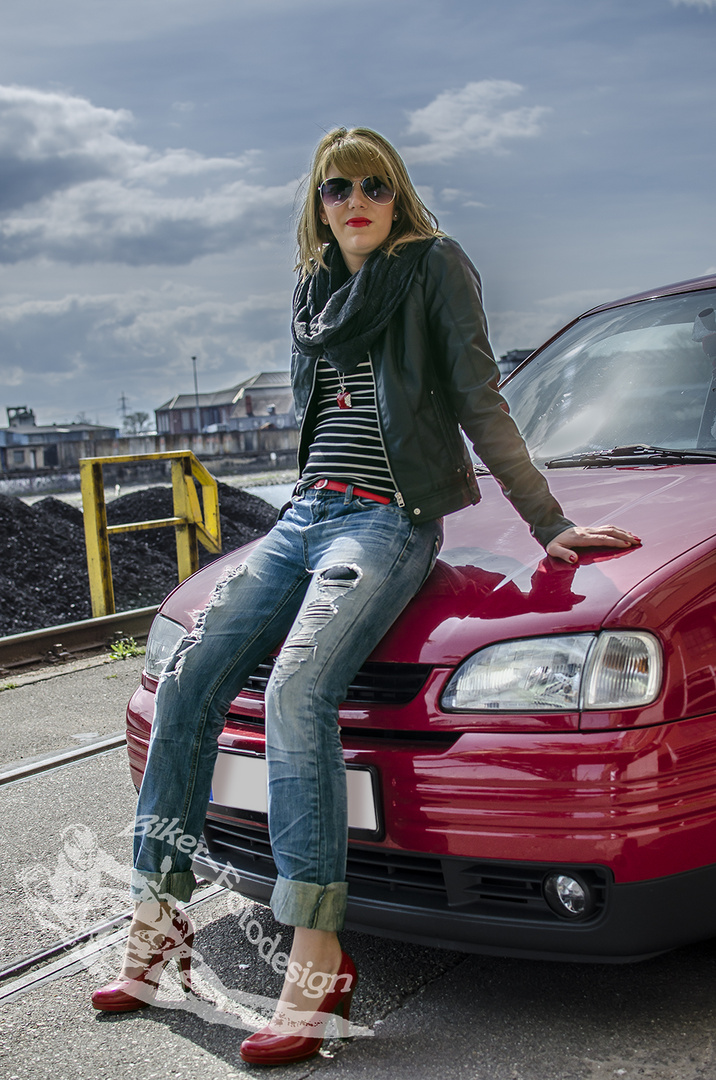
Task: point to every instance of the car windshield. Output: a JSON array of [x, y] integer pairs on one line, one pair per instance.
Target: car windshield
[[639, 374]]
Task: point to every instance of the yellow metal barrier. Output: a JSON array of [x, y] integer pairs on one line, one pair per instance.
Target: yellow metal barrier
[[189, 523]]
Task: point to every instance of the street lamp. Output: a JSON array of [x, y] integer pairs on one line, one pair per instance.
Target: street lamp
[[196, 398]]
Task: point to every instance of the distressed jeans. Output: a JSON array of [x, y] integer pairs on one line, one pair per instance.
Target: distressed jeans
[[330, 578]]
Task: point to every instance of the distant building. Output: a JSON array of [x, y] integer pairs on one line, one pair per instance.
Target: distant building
[[260, 402], [511, 360], [25, 445]]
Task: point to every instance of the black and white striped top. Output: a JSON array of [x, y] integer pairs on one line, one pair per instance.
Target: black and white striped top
[[346, 443]]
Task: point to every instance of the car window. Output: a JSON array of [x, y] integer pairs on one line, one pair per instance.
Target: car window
[[643, 373]]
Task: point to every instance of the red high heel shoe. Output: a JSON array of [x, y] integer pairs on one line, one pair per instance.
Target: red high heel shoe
[[270, 1047], [152, 947]]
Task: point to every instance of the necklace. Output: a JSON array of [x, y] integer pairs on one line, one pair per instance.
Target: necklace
[[343, 397]]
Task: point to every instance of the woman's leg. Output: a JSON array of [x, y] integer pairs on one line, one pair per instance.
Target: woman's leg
[[250, 610], [367, 563], [315, 954]]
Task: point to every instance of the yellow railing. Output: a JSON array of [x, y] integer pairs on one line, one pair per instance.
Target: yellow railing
[[190, 525]]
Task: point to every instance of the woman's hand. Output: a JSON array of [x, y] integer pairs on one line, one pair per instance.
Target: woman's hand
[[562, 547]]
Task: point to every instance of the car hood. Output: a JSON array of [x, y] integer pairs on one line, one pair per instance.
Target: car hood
[[493, 581]]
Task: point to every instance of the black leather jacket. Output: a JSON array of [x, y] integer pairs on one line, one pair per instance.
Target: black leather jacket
[[435, 373]]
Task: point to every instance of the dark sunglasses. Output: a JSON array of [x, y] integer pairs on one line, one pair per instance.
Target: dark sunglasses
[[335, 191]]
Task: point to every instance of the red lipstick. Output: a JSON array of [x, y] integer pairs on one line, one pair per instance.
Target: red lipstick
[[359, 222]]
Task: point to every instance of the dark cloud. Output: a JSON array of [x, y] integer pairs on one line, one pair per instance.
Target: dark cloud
[[23, 182], [74, 188]]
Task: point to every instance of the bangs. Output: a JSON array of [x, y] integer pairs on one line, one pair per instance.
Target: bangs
[[357, 158]]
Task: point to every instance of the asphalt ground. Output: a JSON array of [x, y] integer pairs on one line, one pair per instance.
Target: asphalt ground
[[418, 1011], [35, 719]]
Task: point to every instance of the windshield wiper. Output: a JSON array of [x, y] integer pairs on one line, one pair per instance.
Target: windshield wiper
[[633, 455]]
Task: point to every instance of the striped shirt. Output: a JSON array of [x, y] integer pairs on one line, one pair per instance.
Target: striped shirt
[[347, 443]]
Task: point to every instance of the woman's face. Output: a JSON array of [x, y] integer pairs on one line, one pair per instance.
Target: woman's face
[[358, 224]]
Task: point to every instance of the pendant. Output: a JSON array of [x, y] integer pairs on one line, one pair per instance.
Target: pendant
[[344, 400]]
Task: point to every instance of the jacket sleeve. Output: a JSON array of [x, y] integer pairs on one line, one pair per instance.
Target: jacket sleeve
[[469, 376]]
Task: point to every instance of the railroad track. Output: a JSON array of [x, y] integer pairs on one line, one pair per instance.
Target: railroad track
[[48, 762], [75, 953], [54, 645], [58, 644]]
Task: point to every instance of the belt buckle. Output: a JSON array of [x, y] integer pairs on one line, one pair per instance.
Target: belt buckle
[[321, 483]]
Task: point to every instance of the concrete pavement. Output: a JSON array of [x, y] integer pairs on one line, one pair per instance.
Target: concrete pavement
[[424, 1012]]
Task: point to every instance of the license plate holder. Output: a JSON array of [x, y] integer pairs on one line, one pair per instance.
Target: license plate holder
[[239, 788]]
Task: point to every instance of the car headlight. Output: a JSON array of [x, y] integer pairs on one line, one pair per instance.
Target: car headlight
[[163, 639], [613, 670]]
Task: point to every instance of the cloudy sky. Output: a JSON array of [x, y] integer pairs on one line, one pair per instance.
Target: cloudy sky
[[151, 150]]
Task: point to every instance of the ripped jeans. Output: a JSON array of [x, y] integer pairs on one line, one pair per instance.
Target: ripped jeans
[[331, 577]]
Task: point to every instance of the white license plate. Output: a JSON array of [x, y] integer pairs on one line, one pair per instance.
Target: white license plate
[[240, 782]]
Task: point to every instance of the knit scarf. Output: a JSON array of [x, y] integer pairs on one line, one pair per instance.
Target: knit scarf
[[338, 316]]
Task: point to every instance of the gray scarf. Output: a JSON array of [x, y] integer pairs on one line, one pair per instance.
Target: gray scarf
[[338, 316]]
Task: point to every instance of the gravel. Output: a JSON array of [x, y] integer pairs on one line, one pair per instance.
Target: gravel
[[43, 566]]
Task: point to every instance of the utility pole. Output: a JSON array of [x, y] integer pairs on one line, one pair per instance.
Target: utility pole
[[123, 408], [196, 398]]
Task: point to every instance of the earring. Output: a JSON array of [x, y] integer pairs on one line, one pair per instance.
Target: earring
[[395, 216]]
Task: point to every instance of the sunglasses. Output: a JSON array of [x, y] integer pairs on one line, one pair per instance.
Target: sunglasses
[[337, 190]]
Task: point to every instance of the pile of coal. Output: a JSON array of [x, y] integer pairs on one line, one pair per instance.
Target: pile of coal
[[43, 565]]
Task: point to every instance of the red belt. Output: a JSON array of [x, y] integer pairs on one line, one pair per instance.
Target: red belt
[[336, 485]]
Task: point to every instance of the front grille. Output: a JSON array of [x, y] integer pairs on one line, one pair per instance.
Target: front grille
[[375, 683], [486, 888]]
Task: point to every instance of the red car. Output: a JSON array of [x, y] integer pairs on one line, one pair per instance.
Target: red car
[[531, 750]]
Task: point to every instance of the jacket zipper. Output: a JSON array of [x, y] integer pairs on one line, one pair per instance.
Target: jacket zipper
[[398, 497], [305, 411]]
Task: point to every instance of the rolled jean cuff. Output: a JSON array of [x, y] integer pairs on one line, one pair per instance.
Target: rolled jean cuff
[[317, 907], [163, 887]]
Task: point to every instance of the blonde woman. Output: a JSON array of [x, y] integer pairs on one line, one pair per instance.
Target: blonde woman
[[391, 364]]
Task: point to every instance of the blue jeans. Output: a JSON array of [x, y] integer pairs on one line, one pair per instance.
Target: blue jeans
[[331, 577]]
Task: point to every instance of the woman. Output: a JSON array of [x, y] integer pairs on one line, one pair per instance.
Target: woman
[[390, 360]]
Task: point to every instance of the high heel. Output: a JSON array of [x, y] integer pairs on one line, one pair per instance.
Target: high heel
[[152, 947], [270, 1047]]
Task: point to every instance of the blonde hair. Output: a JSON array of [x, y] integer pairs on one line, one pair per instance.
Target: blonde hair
[[359, 152]]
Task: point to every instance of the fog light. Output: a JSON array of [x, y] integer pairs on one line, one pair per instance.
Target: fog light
[[568, 895]]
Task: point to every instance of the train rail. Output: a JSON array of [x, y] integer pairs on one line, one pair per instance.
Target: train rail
[[48, 762], [69, 641], [78, 952], [59, 645], [39, 648]]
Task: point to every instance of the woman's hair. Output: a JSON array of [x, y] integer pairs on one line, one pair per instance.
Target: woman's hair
[[359, 152]]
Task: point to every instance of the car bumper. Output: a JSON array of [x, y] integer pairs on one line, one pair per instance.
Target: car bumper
[[471, 827], [634, 922]]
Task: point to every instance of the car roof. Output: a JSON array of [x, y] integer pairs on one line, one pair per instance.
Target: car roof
[[690, 285]]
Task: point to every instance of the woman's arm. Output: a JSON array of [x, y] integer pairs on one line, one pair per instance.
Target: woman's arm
[[464, 358]]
